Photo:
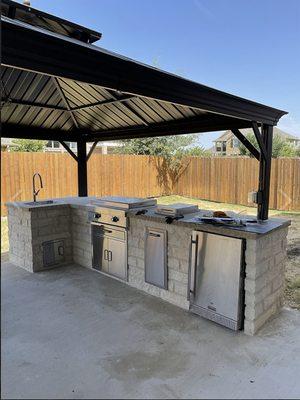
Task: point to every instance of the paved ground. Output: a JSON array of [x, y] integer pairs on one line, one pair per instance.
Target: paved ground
[[73, 333]]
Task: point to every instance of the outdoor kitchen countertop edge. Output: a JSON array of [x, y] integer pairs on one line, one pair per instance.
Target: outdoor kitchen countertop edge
[[248, 232]]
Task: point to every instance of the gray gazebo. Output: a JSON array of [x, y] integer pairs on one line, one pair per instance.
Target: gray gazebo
[[57, 85]]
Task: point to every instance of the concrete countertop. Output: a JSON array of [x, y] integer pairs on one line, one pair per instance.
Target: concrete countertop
[[251, 231], [61, 201], [190, 220]]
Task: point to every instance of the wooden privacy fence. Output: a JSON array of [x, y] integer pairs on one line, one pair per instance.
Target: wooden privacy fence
[[217, 179]]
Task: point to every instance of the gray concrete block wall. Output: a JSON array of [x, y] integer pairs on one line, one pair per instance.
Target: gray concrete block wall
[[29, 229], [265, 278], [52, 223], [178, 239], [265, 256], [20, 237], [265, 266], [81, 236]]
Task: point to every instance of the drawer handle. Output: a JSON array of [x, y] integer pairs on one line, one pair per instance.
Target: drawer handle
[[154, 234]]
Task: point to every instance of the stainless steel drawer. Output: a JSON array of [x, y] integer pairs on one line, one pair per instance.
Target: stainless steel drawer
[[104, 230]]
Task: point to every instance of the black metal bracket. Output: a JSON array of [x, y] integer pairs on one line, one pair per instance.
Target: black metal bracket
[[91, 150], [259, 139], [246, 143], [69, 150]]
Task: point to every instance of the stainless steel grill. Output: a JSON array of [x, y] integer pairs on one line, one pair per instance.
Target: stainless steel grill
[[109, 233]]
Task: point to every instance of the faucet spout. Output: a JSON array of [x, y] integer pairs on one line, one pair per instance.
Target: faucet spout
[[34, 191]]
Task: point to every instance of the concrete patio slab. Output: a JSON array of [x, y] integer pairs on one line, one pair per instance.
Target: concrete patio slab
[[73, 333]]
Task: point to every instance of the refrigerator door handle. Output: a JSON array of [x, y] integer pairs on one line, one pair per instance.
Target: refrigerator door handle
[[193, 264]]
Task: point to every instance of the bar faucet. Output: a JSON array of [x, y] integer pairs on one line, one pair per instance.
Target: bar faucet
[[36, 192]]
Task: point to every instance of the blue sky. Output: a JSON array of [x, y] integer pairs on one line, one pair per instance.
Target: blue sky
[[250, 48]]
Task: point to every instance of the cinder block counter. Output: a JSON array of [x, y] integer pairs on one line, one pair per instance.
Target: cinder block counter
[[48, 236], [265, 255]]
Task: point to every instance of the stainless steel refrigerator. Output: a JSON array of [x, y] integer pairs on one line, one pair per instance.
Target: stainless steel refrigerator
[[216, 278]]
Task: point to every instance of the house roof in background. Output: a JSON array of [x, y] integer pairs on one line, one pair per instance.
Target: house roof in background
[[228, 134]]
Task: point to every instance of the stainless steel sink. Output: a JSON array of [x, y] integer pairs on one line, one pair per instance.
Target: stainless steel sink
[[39, 203]]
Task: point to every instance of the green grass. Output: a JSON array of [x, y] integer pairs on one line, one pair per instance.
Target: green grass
[[4, 235], [295, 284]]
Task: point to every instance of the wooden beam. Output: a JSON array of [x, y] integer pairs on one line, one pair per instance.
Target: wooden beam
[[246, 143]]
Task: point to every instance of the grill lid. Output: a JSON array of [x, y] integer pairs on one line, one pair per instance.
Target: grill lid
[[176, 209], [124, 203]]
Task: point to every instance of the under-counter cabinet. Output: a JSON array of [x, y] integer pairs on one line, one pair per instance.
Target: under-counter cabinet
[[109, 247], [216, 278], [156, 272]]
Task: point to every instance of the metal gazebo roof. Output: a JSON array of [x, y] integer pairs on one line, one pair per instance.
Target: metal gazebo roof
[[56, 85]]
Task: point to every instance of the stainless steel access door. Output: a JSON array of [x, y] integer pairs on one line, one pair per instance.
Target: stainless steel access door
[[216, 278], [117, 258], [156, 257], [110, 250], [99, 247]]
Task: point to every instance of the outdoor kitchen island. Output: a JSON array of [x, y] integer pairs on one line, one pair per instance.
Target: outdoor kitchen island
[[160, 258]]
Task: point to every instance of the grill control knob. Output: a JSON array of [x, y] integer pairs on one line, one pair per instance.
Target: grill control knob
[[97, 215], [115, 219]]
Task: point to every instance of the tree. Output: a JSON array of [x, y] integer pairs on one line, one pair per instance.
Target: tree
[[169, 155], [197, 151], [28, 145], [280, 148], [166, 146]]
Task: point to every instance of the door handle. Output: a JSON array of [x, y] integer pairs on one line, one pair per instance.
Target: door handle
[[60, 250], [109, 255], [154, 234], [193, 263], [105, 254]]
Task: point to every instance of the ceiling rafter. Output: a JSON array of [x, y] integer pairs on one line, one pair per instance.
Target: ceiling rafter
[[143, 121], [65, 101], [15, 102], [102, 103]]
